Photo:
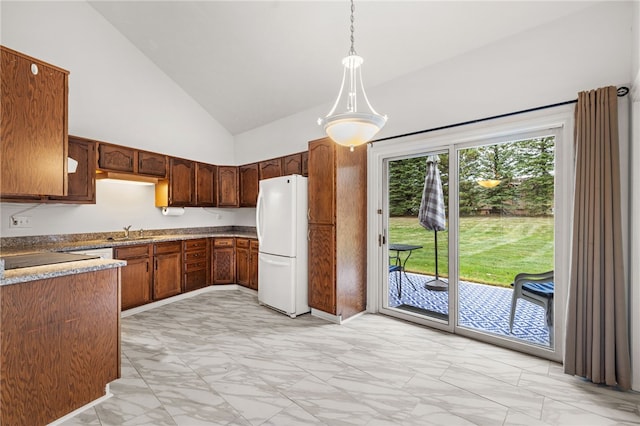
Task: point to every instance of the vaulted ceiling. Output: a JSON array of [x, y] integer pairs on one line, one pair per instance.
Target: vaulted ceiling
[[249, 63]]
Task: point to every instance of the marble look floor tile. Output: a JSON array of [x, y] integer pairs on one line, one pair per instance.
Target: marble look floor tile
[[220, 358]]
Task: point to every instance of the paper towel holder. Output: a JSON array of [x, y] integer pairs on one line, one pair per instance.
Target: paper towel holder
[[172, 211]]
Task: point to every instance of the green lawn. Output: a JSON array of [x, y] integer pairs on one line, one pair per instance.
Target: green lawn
[[492, 250]]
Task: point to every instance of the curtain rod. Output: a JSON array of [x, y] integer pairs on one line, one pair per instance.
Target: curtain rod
[[622, 91]]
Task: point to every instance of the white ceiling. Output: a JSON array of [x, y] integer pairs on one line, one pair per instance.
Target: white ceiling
[[249, 63]]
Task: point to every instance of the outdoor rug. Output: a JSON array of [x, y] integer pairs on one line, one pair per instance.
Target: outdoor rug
[[482, 307]]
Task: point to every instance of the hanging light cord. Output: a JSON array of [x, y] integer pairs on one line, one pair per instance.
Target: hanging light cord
[[352, 51]]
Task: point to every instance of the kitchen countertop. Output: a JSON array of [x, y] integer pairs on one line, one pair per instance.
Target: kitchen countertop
[[75, 242]]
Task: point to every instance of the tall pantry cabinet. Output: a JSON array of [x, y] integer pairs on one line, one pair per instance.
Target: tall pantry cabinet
[[337, 228]]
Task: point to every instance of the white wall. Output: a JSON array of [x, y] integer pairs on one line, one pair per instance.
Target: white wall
[[116, 94]]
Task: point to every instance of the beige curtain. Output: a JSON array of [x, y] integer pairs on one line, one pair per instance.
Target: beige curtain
[[597, 340]]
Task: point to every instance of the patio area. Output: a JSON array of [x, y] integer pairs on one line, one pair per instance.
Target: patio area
[[482, 307]]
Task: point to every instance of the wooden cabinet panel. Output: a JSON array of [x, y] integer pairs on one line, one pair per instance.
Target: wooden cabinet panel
[[322, 272], [182, 176], [305, 163], [322, 196], [136, 276], [270, 168], [33, 126], [228, 186], [116, 158], [196, 266], [59, 349], [253, 265], [82, 183], [206, 191], [167, 273], [223, 266], [242, 262], [248, 185], [292, 164], [150, 163]]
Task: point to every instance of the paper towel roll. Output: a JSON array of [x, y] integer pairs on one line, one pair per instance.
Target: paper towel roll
[[172, 211]]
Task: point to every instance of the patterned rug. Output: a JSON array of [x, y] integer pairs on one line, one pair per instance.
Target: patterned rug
[[482, 307]]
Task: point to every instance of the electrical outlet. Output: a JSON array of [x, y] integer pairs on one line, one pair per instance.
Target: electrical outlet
[[20, 222]]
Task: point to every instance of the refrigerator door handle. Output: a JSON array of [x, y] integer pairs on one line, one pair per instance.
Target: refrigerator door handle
[[259, 217], [275, 263]]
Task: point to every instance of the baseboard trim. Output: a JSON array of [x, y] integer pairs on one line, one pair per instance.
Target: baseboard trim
[[74, 413]]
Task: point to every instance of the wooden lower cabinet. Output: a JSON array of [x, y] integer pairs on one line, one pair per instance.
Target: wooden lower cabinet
[[223, 263], [137, 275], [196, 269], [167, 269], [247, 262], [322, 269], [60, 340]]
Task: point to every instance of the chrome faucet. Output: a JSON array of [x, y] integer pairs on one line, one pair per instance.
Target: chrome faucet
[[126, 231], [141, 231]]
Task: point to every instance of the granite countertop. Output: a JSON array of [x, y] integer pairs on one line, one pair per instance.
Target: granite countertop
[[75, 242]]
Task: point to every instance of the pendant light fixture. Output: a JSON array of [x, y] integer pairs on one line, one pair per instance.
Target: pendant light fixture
[[358, 123]]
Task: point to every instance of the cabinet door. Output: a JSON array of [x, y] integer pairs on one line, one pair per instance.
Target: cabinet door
[[33, 126], [135, 282], [115, 157], [82, 183], [205, 185], [167, 273], [322, 182], [292, 164], [248, 185], [228, 186], [322, 270], [270, 168], [223, 262], [150, 163], [242, 265], [182, 176], [253, 265]]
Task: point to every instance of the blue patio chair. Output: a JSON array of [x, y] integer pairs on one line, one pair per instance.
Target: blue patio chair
[[537, 289]]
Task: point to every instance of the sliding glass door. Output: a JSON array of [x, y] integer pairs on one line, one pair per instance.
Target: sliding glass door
[[469, 237]]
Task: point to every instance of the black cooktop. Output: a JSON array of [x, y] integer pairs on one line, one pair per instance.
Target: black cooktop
[[39, 259]]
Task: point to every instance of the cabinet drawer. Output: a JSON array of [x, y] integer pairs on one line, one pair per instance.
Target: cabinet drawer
[[168, 247], [198, 244], [195, 255], [131, 252], [195, 266], [242, 242], [223, 242]]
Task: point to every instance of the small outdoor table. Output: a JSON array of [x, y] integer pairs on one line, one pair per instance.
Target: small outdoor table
[[402, 248]]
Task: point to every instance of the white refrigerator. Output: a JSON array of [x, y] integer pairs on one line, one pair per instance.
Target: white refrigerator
[[281, 223]]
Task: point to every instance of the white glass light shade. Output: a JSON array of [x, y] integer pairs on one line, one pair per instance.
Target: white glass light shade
[[354, 126], [352, 129]]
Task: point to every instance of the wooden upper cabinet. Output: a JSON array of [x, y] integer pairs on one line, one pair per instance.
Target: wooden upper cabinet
[[123, 159], [322, 197], [82, 182], [206, 188], [292, 164], [33, 126], [270, 168], [228, 186], [248, 185], [305, 163], [115, 157], [151, 163], [182, 177]]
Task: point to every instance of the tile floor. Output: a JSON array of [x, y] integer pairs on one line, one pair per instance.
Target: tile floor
[[221, 359]]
